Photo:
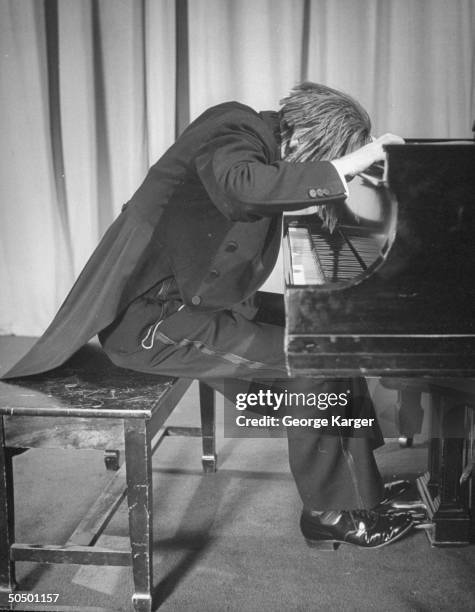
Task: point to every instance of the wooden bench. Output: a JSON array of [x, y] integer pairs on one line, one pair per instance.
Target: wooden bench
[[90, 403]]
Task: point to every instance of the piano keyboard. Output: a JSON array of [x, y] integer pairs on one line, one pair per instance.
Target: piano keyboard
[[306, 268], [319, 257]]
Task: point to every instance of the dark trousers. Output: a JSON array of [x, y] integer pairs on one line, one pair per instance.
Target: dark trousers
[[228, 349]]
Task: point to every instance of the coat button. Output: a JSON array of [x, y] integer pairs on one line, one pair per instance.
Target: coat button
[[312, 193], [320, 193], [326, 192], [214, 273], [196, 300], [231, 246]]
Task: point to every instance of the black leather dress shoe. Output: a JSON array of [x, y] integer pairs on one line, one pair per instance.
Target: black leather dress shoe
[[394, 489], [362, 528], [392, 502]]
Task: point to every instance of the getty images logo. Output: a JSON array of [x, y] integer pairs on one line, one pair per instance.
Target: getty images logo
[[274, 400]]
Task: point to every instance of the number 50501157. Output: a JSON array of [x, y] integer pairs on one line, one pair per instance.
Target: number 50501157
[[33, 597]]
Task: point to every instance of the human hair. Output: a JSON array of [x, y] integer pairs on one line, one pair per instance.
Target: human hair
[[321, 123], [330, 123]]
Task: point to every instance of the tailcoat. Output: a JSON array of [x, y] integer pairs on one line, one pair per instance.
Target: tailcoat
[[209, 213]]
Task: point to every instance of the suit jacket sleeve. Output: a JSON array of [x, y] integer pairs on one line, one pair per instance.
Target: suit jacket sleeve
[[240, 169]]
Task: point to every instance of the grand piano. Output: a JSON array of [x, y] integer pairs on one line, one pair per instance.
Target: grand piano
[[391, 293]]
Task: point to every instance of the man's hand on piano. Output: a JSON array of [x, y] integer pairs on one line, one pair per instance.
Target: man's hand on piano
[[352, 164]]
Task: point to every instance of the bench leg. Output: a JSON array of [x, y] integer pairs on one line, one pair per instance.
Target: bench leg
[[138, 460], [208, 427], [7, 525]]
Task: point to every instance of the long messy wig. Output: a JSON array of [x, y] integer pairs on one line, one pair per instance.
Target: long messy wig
[[321, 123]]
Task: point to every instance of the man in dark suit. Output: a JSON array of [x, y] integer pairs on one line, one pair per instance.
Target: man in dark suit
[[171, 288]]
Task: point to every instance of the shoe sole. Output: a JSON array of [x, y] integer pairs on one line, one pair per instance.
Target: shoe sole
[[333, 545]]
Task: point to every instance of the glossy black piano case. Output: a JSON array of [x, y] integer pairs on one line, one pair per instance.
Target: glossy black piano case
[[413, 312]]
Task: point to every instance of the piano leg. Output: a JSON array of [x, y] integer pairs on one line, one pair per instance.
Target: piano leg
[[470, 472], [446, 497]]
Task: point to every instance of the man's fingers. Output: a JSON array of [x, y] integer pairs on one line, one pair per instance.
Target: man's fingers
[[362, 158], [389, 138]]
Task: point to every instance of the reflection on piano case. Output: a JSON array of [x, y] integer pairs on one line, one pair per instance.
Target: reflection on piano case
[[391, 293]]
